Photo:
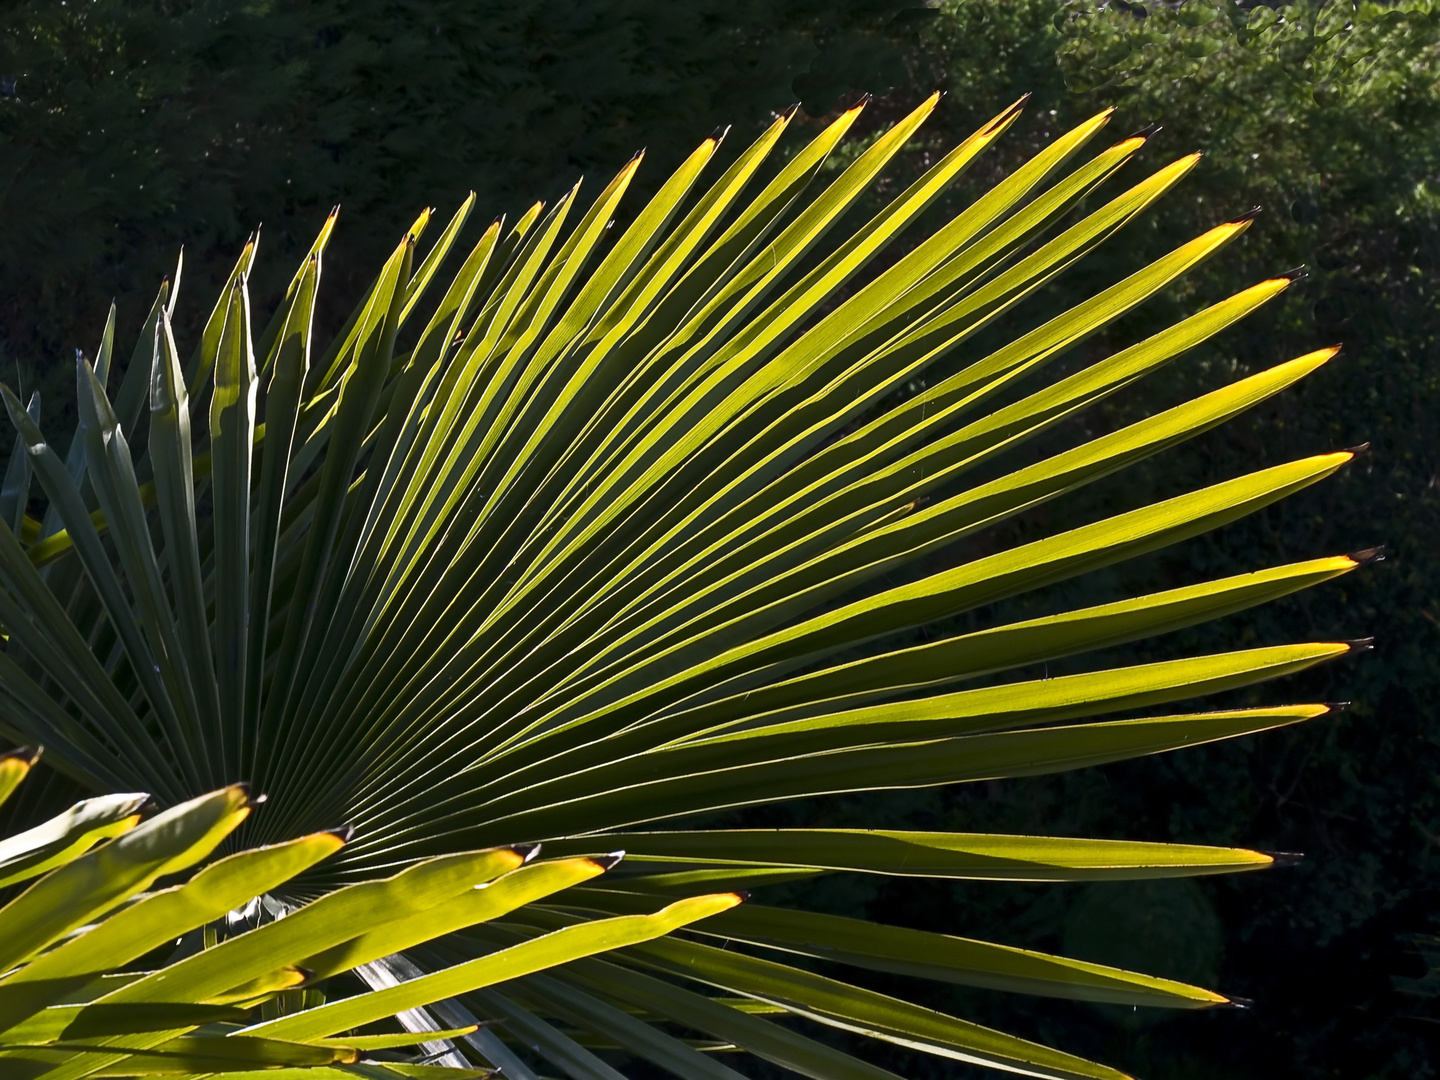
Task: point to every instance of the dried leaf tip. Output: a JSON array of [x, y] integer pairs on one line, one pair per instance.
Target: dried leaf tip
[[257, 802], [1232, 1002], [718, 135], [1296, 273], [1364, 644], [788, 113], [1247, 217], [1358, 448], [1284, 858], [1366, 556], [1337, 707], [28, 755], [344, 833], [526, 851], [608, 862], [1147, 131]]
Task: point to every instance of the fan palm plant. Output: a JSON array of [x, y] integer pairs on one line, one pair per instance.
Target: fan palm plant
[[633, 527]]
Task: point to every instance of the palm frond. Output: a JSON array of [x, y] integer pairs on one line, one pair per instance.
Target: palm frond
[[611, 528], [74, 1004]]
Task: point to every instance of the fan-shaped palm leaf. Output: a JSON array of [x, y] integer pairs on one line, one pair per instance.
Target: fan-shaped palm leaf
[[631, 525]]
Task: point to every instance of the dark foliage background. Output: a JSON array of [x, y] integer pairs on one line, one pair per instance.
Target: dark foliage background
[[129, 127]]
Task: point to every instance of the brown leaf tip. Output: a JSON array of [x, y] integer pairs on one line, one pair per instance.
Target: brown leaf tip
[[608, 862], [1284, 858], [526, 851], [1295, 273], [29, 755], [1364, 644], [1147, 131], [1247, 216], [344, 833], [1336, 707], [1368, 555], [1358, 449]]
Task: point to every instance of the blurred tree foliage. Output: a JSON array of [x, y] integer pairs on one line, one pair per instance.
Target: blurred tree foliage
[[130, 126]]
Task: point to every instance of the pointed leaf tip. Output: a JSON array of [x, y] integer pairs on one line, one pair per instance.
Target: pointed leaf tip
[[1366, 556], [1284, 858], [343, 833], [607, 862], [1356, 450], [527, 852], [1146, 132], [29, 755], [136, 802], [1364, 644], [1247, 217]]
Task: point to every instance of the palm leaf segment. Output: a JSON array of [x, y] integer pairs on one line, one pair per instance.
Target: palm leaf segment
[[630, 529], [74, 1004]]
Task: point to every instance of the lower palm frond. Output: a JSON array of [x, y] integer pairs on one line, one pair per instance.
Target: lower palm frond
[[77, 1001]]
